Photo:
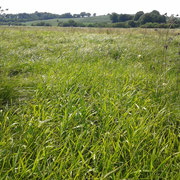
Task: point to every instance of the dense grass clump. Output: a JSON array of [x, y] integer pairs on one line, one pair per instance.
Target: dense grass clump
[[89, 103]]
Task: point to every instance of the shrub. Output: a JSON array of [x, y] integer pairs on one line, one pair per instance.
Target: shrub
[[41, 24], [157, 25], [121, 25], [132, 23]]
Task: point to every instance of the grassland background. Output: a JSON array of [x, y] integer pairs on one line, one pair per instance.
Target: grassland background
[[86, 20], [89, 103]]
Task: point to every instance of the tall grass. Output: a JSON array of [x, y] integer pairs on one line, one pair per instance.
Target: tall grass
[[88, 104]]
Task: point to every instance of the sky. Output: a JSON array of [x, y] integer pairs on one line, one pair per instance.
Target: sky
[[100, 7]]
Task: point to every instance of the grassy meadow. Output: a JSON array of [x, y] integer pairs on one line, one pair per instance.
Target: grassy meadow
[[79, 103], [86, 20]]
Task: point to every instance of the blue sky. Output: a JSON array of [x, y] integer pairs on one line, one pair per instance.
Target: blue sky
[[98, 6]]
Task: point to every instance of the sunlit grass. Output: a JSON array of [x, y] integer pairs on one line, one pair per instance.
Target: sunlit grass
[[88, 104]]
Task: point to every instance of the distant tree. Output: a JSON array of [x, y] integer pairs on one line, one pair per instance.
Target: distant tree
[[138, 15], [70, 23], [145, 18], [41, 24], [3, 16], [3, 11], [76, 15], [23, 17], [66, 15], [153, 17], [88, 14], [94, 14], [157, 17], [155, 12], [114, 17], [83, 14], [132, 23], [125, 17]]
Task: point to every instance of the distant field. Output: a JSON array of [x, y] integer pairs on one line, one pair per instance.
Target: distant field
[[54, 22], [79, 103]]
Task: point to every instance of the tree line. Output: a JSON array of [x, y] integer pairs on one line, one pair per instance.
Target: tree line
[[81, 15], [147, 20], [24, 17]]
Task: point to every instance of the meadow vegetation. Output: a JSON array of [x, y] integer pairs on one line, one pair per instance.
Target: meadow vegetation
[[80, 21], [79, 103]]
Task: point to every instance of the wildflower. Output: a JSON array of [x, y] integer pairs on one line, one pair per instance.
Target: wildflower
[[139, 55]]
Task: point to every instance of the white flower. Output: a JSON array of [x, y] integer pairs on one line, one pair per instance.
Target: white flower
[[164, 84]]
